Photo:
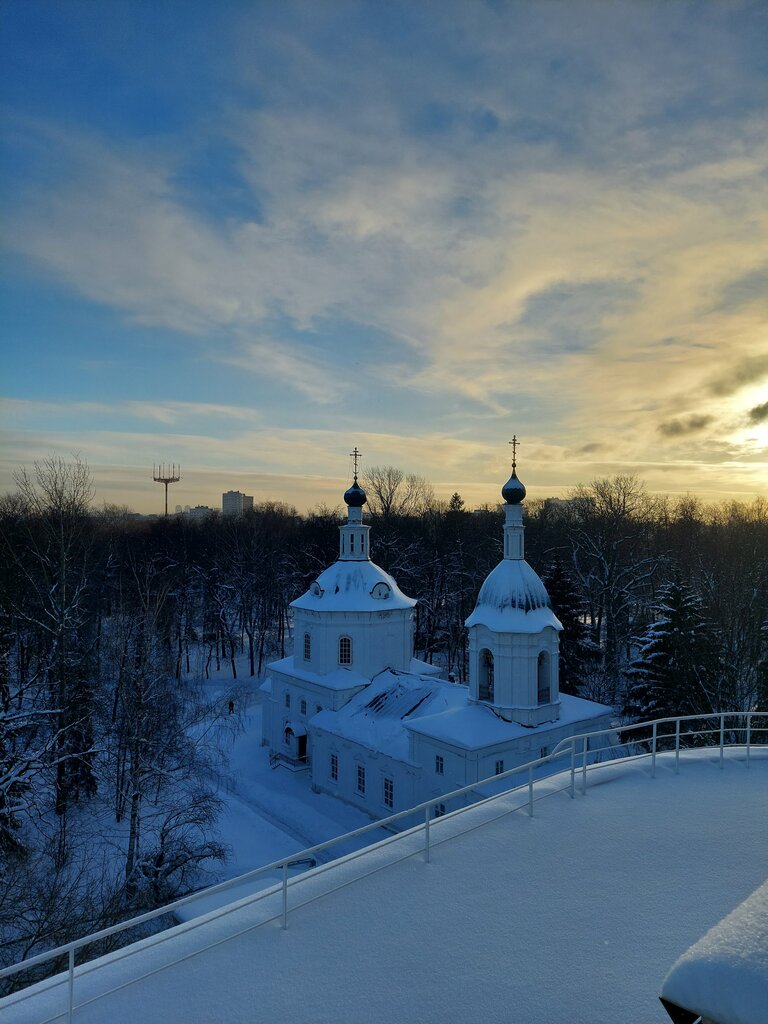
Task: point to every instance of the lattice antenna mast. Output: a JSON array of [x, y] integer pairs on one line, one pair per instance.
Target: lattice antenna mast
[[164, 474]]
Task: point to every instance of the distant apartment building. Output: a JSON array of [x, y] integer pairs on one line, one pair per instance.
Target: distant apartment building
[[196, 512], [200, 512], [234, 503]]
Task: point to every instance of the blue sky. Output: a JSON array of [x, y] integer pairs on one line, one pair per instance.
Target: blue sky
[[248, 236]]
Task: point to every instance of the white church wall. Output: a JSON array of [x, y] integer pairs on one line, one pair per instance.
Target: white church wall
[[297, 700], [376, 766], [515, 672], [444, 768], [378, 640]]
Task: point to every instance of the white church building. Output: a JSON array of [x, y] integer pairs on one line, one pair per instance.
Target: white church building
[[378, 728]]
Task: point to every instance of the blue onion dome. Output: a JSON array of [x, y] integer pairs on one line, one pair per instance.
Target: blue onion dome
[[513, 491], [354, 496]]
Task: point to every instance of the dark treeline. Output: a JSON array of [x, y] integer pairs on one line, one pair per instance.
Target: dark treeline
[[109, 624]]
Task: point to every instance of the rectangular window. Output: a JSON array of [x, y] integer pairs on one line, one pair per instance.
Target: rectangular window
[[303, 707], [318, 708], [439, 810], [439, 764], [307, 647], [360, 779], [287, 699], [351, 543], [389, 793], [499, 767], [544, 752], [334, 768], [345, 650]]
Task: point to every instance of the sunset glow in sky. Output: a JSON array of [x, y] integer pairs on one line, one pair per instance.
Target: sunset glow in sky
[[247, 236]]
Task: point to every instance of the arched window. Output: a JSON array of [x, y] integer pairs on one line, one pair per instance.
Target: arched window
[[307, 647], [545, 688], [345, 650], [485, 675]]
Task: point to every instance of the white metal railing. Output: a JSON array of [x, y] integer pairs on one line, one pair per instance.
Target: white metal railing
[[580, 749]]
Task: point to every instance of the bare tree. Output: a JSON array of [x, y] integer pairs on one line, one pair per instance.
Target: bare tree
[[391, 492], [49, 549], [615, 564]]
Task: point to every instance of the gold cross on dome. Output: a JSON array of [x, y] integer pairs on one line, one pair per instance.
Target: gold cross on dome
[[514, 442], [355, 455]]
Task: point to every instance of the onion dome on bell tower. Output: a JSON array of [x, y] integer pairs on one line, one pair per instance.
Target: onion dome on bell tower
[[353, 536], [354, 496]]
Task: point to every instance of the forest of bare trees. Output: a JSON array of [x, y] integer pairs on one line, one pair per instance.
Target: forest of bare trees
[[110, 624]]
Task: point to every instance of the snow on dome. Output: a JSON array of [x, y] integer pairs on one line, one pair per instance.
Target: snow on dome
[[513, 490], [513, 598], [348, 587], [355, 496]]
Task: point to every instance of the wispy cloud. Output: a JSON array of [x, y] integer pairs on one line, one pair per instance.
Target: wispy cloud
[[680, 428], [296, 370], [504, 217], [758, 413], [746, 371]]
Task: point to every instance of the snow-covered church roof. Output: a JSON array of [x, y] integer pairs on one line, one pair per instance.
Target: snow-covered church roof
[[473, 726], [353, 586], [377, 716], [513, 599]]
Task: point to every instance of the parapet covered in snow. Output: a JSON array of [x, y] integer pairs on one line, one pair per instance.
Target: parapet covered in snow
[[724, 976]]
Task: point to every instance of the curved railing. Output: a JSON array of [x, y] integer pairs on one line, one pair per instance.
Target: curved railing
[[581, 751]]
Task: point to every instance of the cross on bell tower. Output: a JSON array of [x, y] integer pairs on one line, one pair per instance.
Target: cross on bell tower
[[353, 539], [355, 456], [514, 442]]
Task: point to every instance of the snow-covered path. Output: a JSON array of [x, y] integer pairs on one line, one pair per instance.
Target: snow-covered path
[[571, 917], [284, 801]]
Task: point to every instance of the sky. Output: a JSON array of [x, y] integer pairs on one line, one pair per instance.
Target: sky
[[248, 236]]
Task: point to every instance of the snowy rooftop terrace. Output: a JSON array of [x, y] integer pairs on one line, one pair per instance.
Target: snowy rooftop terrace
[[573, 915]]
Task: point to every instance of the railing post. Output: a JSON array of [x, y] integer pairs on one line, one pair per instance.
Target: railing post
[[426, 834], [573, 768], [677, 747], [653, 753], [530, 791], [285, 895], [584, 768], [722, 738], [71, 999], [749, 735]]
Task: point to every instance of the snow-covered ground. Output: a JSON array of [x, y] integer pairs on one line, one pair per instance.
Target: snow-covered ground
[[573, 916], [269, 813]]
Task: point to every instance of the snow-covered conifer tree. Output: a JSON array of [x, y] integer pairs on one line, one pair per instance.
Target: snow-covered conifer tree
[[677, 663], [578, 652]]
